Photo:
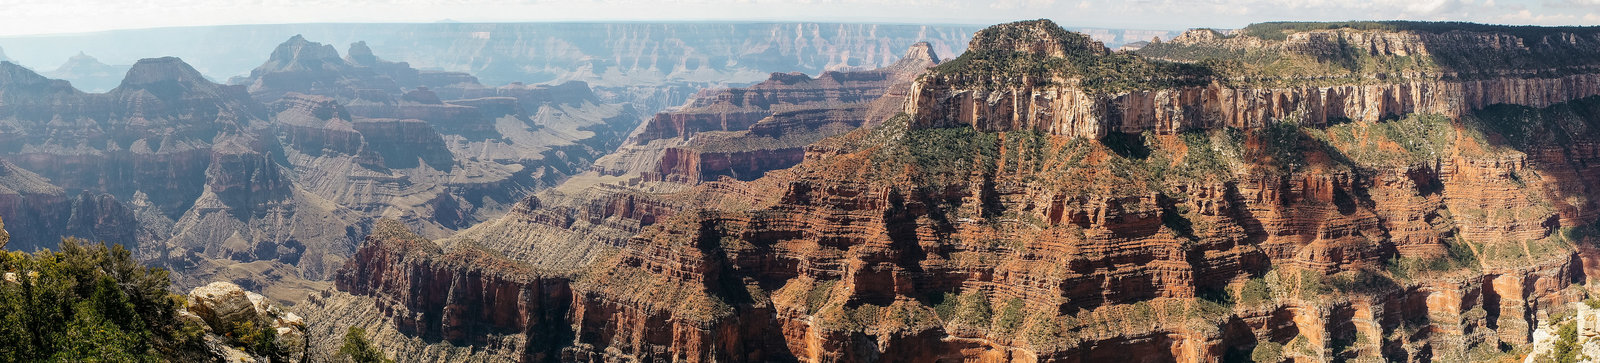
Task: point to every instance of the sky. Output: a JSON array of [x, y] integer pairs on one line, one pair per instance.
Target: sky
[[25, 17]]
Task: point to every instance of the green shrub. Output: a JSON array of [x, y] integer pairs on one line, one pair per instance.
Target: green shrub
[[89, 303], [1566, 348], [1267, 352], [1255, 292], [1281, 147], [1457, 256], [259, 340], [818, 295], [1010, 316], [946, 307], [973, 308], [357, 349]]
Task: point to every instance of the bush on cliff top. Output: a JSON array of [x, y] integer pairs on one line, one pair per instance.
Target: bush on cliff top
[[89, 303]]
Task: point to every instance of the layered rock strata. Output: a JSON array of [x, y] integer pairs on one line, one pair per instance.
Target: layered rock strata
[[1070, 104], [1424, 236]]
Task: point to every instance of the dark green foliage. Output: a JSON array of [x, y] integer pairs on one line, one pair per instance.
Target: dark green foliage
[[1425, 137], [818, 295], [1549, 52], [1523, 127], [973, 308], [1115, 72], [357, 349], [1267, 352], [1034, 31], [88, 303], [946, 155], [1359, 281], [1010, 317], [1457, 256], [1132, 146], [1581, 233], [1566, 348], [1281, 147], [259, 340], [945, 307], [1255, 292]]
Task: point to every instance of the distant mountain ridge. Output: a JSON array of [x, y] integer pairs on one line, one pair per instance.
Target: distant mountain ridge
[[603, 54], [269, 184], [88, 73]]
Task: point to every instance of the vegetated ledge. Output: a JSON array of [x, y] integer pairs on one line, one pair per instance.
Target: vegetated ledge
[[1058, 82]]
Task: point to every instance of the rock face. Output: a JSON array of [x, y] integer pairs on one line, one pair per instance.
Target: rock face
[[1075, 112], [39, 212], [225, 307], [465, 296], [744, 132], [1429, 235]]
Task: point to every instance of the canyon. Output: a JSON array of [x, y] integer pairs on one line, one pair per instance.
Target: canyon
[[270, 183], [652, 65], [983, 218], [1286, 192]]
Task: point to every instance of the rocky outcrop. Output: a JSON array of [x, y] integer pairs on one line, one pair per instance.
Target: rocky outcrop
[[228, 310], [245, 180], [745, 132], [403, 143], [31, 204], [150, 134], [1066, 104], [211, 183], [300, 65], [316, 124], [1080, 113], [464, 296]]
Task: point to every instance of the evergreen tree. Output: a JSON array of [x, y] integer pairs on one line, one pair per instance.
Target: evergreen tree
[[357, 349]]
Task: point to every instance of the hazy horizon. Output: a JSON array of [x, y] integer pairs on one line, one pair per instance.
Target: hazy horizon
[[41, 17]]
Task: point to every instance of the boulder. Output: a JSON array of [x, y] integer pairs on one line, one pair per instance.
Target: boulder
[[223, 305]]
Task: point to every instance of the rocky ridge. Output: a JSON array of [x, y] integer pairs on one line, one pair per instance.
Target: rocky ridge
[[224, 310], [1167, 99], [89, 74]]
